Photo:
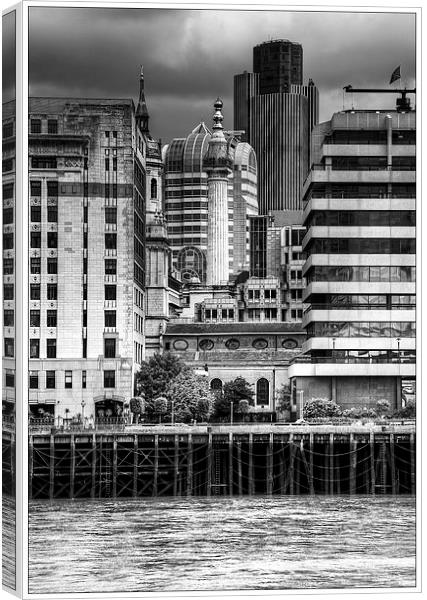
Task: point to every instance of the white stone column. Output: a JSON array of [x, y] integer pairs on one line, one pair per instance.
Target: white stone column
[[218, 252]]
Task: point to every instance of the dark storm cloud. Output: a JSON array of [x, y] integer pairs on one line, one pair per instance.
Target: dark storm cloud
[[190, 57], [8, 56]]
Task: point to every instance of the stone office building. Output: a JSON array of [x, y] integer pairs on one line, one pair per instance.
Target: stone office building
[[86, 255]]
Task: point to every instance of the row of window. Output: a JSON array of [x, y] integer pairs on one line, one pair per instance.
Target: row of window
[[361, 246], [36, 214], [363, 300], [362, 218], [36, 239], [262, 390], [36, 188], [372, 274], [50, 379], [361, 329], [256, 295], [36, 126]]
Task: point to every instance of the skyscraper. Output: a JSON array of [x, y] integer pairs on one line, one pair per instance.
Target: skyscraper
[[277, 113]]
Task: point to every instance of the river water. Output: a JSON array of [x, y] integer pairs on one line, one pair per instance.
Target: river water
[[208, 544]]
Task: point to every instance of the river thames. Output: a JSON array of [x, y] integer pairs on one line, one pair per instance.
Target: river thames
[[214, 544]]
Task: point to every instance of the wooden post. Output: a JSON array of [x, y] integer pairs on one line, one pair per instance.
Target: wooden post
[[239, 466], [93, 473], [114, 490], [230, 463], [189, 465], [251, 487], [135, 466], [331, 464], [209, 466], [310, 463], [392, 465], [156, 463], [30, 466], [291, 464], [412, 461], [353, 464], [372, 460], [175, 465], [270, 465], [51, 466], [72, 465]]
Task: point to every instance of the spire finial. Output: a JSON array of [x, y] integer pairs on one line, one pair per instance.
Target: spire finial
[[218, 117], [141, 74]]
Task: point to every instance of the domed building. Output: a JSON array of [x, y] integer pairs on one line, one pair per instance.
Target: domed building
[[186, 202]]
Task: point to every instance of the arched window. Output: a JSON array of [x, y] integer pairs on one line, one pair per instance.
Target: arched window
[[216, 386], [262, 392], [153, 189]]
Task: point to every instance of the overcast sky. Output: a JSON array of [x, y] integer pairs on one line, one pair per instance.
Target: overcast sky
[[190, 57]]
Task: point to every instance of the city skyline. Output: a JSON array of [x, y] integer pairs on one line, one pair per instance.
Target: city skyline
[[185, 67]]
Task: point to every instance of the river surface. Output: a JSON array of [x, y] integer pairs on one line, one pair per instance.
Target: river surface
[[208, 544]]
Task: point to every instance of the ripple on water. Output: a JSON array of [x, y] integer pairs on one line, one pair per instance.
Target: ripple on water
[[222, 544]]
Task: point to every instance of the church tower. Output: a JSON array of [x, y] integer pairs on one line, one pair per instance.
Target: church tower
[[157, 249], [218, 164]]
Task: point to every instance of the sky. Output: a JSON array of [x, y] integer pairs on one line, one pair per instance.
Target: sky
[[191, 56]]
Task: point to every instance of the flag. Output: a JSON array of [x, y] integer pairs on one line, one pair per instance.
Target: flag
[[395, 75]]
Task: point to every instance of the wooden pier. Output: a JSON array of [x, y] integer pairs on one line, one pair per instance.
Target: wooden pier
[[222, 460]]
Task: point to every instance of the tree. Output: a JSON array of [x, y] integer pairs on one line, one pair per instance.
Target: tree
[[283, 401], [407, 411], [137, 407], [155, 375], [233, 391], [382, 407], [318, 408], [191, 397], [160, 406]]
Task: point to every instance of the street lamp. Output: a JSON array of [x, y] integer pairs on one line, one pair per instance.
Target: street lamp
[[172, 412], [83, 412], [398, 349], [231, 412]]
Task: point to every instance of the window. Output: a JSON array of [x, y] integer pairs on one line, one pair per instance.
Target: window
[[50, 380], [52, 126], [84, 347], [8, 266], [35, 239], [115, 134], [8, 291], [85, 266], [111, 241], [52, 291], [111, 215], [34, 318], [8, 318], [153, 189], [52, 266], [107, 164], [109, 318], [35, 291], [7, 216], [7, 241], [110, 266], [7, 130], [10, 378], [51, 318], [52, 214], [36, 214], [36, 126], [43, 162], [114, 164], [85, 318], [85, 291], [110, 292], [107, 134], [36, 188], [262, 392], [52, 239], [34, 348], [68, 379], [34, 380], [109, 379], [83, 379], [109, 348], [85, 214], [107, 190], [216, 387], [7, 165], [51, 348], [7, 191], [9, 347], [35, 265]]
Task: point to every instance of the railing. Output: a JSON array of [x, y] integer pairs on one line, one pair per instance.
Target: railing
[[353, 360], [359, 307]]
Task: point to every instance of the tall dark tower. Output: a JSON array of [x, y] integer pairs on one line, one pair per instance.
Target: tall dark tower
[[279, 64], [278, 113]]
